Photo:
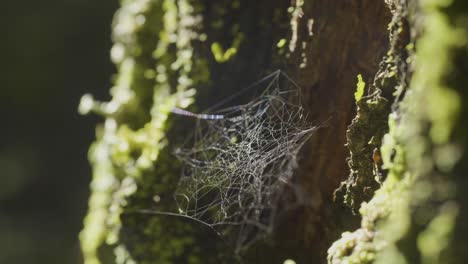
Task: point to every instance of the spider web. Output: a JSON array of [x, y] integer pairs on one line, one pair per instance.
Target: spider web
[[237, 167]]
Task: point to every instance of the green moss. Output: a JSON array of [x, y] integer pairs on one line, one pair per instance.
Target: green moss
[[222, 55], [296, 13], [360, 89], [365, 133], [364, 244], [226, 38], [154, 56], [414, 215], [438, 235], [364, 137], [281, 43]]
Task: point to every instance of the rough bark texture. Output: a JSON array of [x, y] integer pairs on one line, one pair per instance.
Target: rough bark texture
[[388, 148], [418, 215]]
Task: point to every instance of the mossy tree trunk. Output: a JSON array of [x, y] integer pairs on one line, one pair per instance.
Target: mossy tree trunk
[[387, 170]]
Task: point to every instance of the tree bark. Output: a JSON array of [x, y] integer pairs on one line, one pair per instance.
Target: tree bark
[[384, 173]]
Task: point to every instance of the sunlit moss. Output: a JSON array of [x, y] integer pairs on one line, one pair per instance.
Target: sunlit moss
[[289, 261], [128, 146], [414, 214], [360, 88], [281, 43], [222, 55], [296, 13], [364, 135]]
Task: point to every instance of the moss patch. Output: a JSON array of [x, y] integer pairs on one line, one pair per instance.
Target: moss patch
[[364, 135], [412, 218], [156, 71]]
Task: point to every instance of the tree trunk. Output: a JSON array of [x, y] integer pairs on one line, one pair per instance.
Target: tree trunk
[[382, 177]]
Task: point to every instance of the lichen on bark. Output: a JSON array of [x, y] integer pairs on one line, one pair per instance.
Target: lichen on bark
[[162, 52], [166, 49], [412, 218], [364, 134], [139, 238], [156, 68]]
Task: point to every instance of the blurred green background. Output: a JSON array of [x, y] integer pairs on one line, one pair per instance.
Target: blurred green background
[[52, 53]]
